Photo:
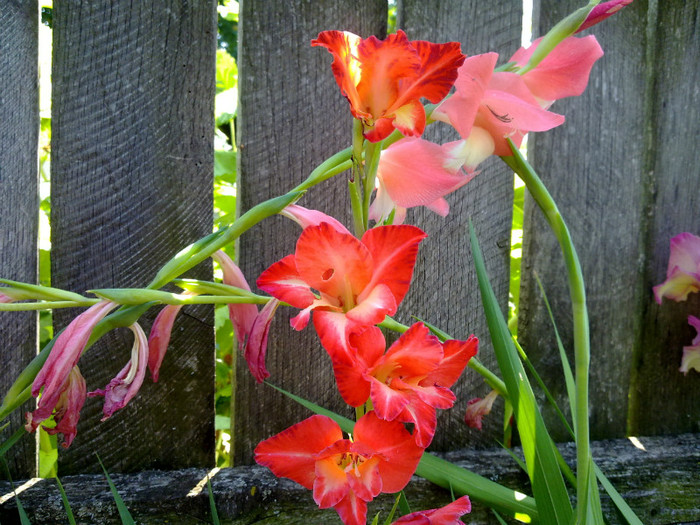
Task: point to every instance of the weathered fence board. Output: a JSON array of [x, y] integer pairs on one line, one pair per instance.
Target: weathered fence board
[[19, 200], [662, 400], [621, 143], [133, 98], [445, 290], [291, 118]]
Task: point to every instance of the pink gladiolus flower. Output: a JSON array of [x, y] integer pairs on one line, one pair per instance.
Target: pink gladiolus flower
[[603, 11], [447, 515], [242, 315], [343, 473], [359, 282], [683, 273], [67, 410], [563, 72], [416, 172], [477, 408], [56, 374], [495, 105], [127, 382], [305, 217], [408, 382], [159, 338], [256, 345], [384, 80], [691, 354]]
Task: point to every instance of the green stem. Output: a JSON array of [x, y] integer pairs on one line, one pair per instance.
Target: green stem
[[46, 305], [372, 154], [580, 319], [355, 183]]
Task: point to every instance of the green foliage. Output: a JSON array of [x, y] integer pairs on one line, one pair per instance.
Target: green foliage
[[66, 503], [124, 513], [228, 26]]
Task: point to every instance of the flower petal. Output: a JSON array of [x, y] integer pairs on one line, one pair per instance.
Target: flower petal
[[447, 515], [256, 345], [691, 354], [282, 280], [292, 453], [159, 338], [305, 217], [456, 356], [602, 11]]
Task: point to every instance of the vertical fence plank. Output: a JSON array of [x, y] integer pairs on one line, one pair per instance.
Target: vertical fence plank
[[594, 166], [133, 90], [662, 400], [291, 117], [19, 202], [445, 290]]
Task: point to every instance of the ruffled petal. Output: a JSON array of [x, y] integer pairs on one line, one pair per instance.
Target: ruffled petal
[[282, 280], [456, 356]]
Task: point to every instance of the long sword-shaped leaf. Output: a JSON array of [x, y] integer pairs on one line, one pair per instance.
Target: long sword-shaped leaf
[[124, 513], [547, 481], [446, 474]]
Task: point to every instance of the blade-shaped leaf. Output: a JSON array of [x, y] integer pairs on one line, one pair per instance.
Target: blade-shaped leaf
[[547, 481]]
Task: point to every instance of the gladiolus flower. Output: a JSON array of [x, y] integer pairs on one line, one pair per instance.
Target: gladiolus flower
[[603, 11], [416, 172], [67, 410], [242, 315], [56, 377], [498, 103], [477, 408], [384, 80], [691, 354], [447, 515], [127, 382], [683, 273], [359, 282], [159, 338], [408, 382], [305, 217], [563, 72], [344, 474], [256, 345]]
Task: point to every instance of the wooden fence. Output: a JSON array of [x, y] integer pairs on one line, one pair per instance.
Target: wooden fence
[[132, 162]]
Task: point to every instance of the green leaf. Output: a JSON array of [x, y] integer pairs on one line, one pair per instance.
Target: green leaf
[[23, 518], [546, 478], [212, 504], [225, 166], [66, 504], [222, 422], [121, 507]]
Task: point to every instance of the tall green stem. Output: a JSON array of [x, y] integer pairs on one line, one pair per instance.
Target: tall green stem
[[580, 319]]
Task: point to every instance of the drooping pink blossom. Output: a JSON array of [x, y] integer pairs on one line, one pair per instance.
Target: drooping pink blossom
[[415, 172], [256, 345], [602, 11], [57, 372], [242, 315], [447, 515], [683, 272], [305, 217], [477, 408], [159, 338], [128, 381], [564, 72], [691, 354], [384, 80], [344, 474], [67, 409]]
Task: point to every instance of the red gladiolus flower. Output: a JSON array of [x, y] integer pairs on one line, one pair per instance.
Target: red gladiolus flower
[[489, 107], [343, 473], [408, 382], [60, 383], [358, 282], [447, 515], [128, 381], [385, 80], [563, 72]]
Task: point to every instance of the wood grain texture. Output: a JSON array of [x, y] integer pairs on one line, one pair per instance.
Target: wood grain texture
[[19, 202], [291, 118], [133, 99], [445, 291], [664, 401], [593, 166]]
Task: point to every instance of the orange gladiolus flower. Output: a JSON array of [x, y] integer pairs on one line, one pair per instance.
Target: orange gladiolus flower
[[384, 80]]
